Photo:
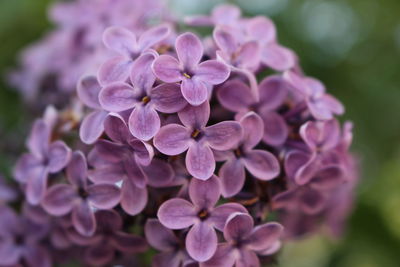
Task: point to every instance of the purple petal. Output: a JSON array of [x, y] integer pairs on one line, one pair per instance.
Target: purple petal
[[298, 82], [116, 69], [177, 213], [200, 161], [167, 259], [134, 172], [99, 254], [110, 151], [120, 39], [142, 76], [294, 161], [333, 104], [265, 236], [285, 200], [133, 198], [205, 194], [247, 258], [306, 172], [116, 128], [159, 173], [248, 55], [58, 200], [262, 164], [88, 90], [224, 135], [253, 129], [77, 169], [273, 92], [223, 257], [126, 242], [144, 152], [232, 177], [195, 117], [38, 140], [37, 256], [225, 40], [278, 57], [168, 98], [167, 69], [194, 90], [261, 29], [321, 135], [118, 97], [311, 201], [172, 139], [235, 96], [226, 14], [158, 236], [59, 155], [103, 196], [153, 36], [108, 173], [220, 214], [83, 219], [26, 165], [144, 122], [92, 127], [36, 185], [213, 72], [328, 178], [201, 242], [189, 49], [275, 129], [238, 227], [9, 253]]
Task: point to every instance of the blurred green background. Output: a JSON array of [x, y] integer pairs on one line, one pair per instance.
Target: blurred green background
[[353, 46]]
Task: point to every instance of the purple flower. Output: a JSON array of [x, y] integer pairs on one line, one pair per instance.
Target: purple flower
[[200, 215], [142, 98], [260, 163], [196, 78], [92, 127], [173, 252], [321, 105], [236, 96], [44, 158], [244, 242], [79, 198], [20, 241], [224, 14], [110, 238], [125, 43], [197, 139]]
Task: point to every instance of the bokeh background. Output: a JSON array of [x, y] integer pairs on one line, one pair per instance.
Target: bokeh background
[[353, 46]]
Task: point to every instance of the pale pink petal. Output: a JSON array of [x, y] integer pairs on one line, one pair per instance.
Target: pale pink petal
[[189, 49], [172, 139], [167, 69], [200, 161], [144, 122], [194, 90]]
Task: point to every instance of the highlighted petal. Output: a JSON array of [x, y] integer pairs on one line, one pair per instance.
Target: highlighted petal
[[200, 161], [201, 242], [177, 213], [144, 122], [262, 164], [189, 49], [172, 139], [118, 97]]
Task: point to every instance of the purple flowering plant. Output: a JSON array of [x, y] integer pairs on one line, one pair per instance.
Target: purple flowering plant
[[175, 143]]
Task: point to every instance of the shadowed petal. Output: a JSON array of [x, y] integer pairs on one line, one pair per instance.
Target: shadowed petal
[[9, 253], [133, 198], [262, 164], [224, 135], [134, 172], [99, 254], [77, 169], [167, 259], [201, 242], [306, 172], [120, 39], [110, 151], [273, 91], [285, 200], [167, 69], [311, 201], [221, 213], [238, 227], [109, 173], [144, 122], [235, 96], [205, 194], [212, 71], [36, 185], [58, 199], [83, 219], [232, 176], [118, 97], [321, 135], [88, 90], [275, 128], [177, 213], [26, 166], [92, 126], [247, 258], [253, 129], [153, 36], [159, 173], [194, 90], [328, 177], [168, 98], [195, 117], [158, 236], [200, 161], [294, 161], [225, 40], [116, 69], [142, 76], [38, 140], [103, 196], [37, 256], [223, 257], [129, 243], [172, 139], [116, 128], [59, 155], [189, 49], [265, 236]]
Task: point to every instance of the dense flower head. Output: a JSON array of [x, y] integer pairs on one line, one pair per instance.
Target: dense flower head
[[181, 143]]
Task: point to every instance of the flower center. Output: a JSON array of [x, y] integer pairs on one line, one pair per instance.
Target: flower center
[[146, 99], [238, 152], [187, 75], [82, 193], [203, 214], [196, 134]]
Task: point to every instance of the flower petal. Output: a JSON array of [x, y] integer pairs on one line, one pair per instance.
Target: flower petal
[[262, 164], [103, 196], [159, 173], [120, 40], [118, 97], [224, 135], [189, 49], [58, 200], [232, 176], [37, 256], [153, 36], [59, 155], [116, 128], [39, 137], [25, 167], [253, 129], [194, 90], [134, 172], [133, 198], [235, 96], [158, 236], [238, 227], [278, 57], [220, 214], [265, 236], [168, 98], [247, 258], [195, 117], [177, 213], [126, 242], [88, 90], [200, 161], [275, 128], [83, 219], [225, 39], [261, 29], [205, 194], [77, 169], [167, 69], [223, 257], [116, 69], [328, 177], [201, 242], [294, 161], [144, 122], [273, 92], [321, 135], [142, 76], [311, 201], [36, 185], [213, 72], [248, 55], [92, 126], [99, 254], [172, 139], [143, 151]]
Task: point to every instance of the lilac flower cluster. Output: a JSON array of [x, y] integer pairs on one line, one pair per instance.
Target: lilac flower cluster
[[186, 147]]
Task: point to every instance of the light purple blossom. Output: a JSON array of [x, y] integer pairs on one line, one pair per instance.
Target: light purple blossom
[[224, 14]]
